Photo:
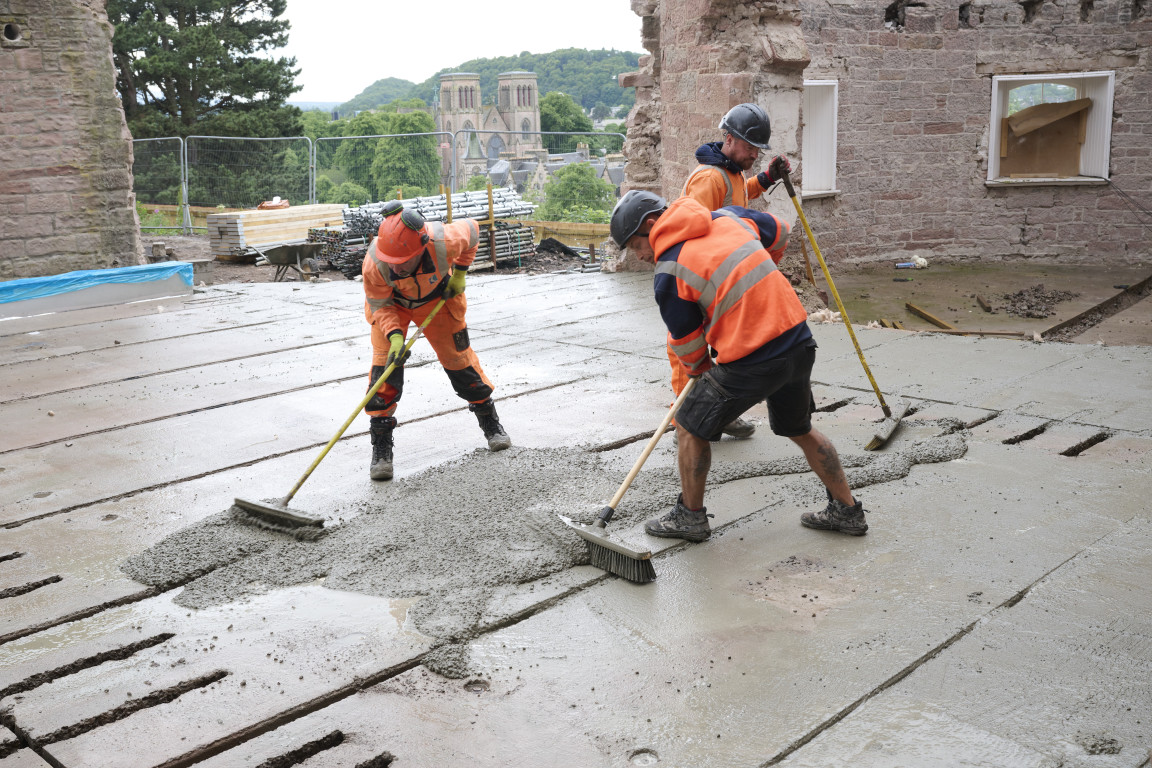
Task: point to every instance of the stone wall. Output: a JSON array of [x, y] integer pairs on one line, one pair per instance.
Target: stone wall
[[66, 199], [706, 56], [915, 107]]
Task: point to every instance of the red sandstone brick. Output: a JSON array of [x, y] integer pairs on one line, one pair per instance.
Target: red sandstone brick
[[943, 128]]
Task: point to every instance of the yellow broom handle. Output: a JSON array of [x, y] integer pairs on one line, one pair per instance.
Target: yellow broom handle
[[832, 287], [371, 393]]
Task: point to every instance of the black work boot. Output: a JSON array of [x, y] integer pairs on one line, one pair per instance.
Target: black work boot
[[381, 429], [681, 523], [485, 412], [838, 516]]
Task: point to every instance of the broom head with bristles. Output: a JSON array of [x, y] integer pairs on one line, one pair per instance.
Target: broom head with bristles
[[609, 555]]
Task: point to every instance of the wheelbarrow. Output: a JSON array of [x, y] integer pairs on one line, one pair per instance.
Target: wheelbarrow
[[299, 257]]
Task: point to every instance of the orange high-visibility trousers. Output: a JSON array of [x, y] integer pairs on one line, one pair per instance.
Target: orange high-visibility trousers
[[448, 335]]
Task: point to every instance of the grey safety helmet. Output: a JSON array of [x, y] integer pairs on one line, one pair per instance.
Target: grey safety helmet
[[748, 122], [630, 212]]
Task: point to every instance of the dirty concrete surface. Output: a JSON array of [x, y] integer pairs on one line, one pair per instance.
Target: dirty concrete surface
[[997, 613]]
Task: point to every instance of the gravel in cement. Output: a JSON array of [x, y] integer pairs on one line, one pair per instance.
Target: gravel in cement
[[451, 536]]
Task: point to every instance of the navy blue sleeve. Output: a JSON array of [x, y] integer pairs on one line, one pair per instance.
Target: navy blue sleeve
[[680, 315], [765, 222]]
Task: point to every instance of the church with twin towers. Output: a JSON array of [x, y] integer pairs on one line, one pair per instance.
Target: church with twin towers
[[507, 127]]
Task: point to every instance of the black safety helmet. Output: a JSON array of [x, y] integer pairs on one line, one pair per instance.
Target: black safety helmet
[[748, 122], [630, 212]]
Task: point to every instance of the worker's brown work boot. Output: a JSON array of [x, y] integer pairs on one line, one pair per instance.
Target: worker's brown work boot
[[485, 412], [681, 523], [381, 429], [739, 428], [838, 516]]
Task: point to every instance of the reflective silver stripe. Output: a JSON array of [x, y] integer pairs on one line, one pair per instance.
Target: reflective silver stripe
[[473, 233], [742, 286], [747, 227], [688, 347], [727, 181], [678, 270], [440, 249], [377, 304]]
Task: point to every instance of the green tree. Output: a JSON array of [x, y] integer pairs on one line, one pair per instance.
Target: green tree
[[355, 156], [409, 163], [477, 182], [558, 112], [601, 111], [197, 67], [574, 193]]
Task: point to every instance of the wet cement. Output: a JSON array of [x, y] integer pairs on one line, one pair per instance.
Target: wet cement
[[452, 536]]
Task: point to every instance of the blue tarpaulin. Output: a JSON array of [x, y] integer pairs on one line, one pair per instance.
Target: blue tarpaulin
[[40, 287]]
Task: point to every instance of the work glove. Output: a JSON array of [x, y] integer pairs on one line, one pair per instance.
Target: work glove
[[396, 350], [776, 170], [455, 285]]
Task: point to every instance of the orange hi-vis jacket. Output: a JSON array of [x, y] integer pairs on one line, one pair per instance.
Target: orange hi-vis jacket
[[714, 184], [718, 286], [449, 245]]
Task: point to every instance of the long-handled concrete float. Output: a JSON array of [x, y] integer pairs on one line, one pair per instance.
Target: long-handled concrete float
[[276, 514], [892, 416]]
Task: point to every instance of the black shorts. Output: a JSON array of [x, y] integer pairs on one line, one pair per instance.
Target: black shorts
[[725, 392]]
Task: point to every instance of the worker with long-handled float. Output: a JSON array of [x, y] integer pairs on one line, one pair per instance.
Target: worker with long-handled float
[[409, 267], [722, 297]]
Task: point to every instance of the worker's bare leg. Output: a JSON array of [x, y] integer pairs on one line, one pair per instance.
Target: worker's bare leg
[[825, 462], [695, 458]]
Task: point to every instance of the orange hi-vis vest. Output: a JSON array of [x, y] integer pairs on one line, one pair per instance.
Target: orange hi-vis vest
[[724, 268], [449, 245]]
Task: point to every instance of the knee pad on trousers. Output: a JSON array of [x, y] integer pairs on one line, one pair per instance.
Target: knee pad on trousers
[[460, 339], [380, 401], [469, 385]]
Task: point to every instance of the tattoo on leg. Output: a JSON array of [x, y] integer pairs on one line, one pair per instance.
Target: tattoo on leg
[[829, 460]]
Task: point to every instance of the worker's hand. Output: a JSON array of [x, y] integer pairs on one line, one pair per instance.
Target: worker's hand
[[396, 348], [455, 285], [776, 170], [701, 368]]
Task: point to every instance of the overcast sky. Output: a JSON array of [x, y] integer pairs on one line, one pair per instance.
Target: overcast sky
[[343, 46]]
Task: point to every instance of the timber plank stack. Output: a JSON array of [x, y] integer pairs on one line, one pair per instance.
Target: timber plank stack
[[231, 234]]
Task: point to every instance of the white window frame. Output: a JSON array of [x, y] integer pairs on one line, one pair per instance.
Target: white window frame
[[818, 155], [1096, 151]]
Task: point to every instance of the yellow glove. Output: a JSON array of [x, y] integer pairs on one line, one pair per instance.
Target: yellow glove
[[396, 346], [455, 285]]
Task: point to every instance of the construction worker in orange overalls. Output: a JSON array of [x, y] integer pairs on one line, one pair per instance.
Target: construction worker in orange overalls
[[722, 298], [718, 181], [409, 267]]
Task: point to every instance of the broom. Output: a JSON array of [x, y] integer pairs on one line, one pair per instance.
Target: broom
[[278, 516], [891, 417], [612, 556]]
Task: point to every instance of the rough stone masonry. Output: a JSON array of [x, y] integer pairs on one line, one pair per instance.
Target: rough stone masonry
[[914, 80], [66, 199]]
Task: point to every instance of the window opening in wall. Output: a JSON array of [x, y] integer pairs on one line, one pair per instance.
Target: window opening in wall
[[1086, 8], [965, 15], [11, 32], [1139, 9], [1031, 8], [525, 129], [894, 13], [1050, 128], [818, 156]]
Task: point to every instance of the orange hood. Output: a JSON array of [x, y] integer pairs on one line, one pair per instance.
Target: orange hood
[[685, 219]]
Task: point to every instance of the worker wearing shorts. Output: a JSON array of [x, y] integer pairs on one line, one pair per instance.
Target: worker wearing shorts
[[737, 327]]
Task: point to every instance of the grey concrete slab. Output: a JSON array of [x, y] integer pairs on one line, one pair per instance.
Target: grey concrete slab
[[1017, 690], [13, 326], [951, 544], [121, 363], [98, 296], [265, 671], [23, 758], [1131, 326], [165, 323]]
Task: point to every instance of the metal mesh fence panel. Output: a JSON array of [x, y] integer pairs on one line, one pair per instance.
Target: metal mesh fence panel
[[242, 173], [572, 177], [158, 178], [355, 170]]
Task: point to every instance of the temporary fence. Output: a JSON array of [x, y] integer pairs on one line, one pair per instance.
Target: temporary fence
[[158, 171], [231, 172], [568, 176]]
